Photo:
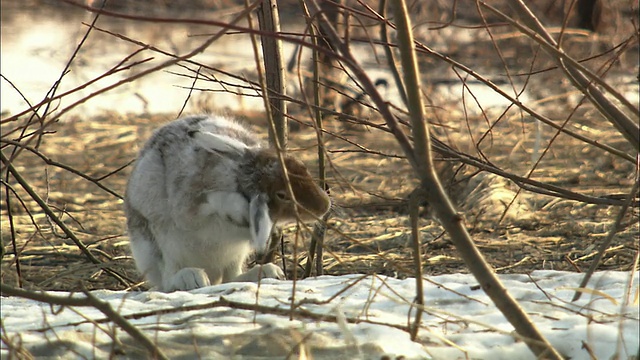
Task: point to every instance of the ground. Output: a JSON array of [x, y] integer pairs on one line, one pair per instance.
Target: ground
[[368, 231]]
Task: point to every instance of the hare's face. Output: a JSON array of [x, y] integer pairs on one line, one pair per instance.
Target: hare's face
[[312, 201]]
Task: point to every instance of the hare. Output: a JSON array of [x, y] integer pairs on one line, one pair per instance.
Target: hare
[[203, 195]]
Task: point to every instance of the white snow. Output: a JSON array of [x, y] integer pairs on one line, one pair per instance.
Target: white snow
[[460, 321]]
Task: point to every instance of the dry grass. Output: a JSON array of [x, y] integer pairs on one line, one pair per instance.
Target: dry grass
[[368, 234]]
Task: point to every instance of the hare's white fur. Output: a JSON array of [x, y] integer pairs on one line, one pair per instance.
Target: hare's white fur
[[188, 224], [235, 206]]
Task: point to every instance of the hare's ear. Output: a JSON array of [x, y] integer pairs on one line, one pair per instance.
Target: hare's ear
[[218, 143], [260, 223]]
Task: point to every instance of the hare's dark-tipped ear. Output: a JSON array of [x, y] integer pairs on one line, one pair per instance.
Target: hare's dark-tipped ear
[[260, 224], [217, 143]]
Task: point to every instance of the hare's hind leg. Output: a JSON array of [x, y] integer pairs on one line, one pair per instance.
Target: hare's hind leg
[[146, 253], [148, 259]]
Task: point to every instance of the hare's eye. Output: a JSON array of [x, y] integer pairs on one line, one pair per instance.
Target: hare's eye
[[281, 195]]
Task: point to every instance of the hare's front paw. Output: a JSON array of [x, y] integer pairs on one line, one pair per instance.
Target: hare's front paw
[[260, 272], [228, 205], [188, 279], [271, 271]]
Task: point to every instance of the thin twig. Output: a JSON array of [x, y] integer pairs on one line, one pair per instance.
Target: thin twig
[[12, 231], [391, 61], [416, 197]]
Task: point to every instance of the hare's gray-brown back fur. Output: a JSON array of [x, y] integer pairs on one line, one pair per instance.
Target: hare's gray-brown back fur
[[203, 195]]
